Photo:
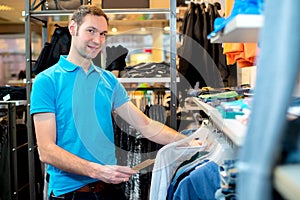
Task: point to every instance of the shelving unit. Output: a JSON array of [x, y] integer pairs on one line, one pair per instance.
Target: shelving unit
[[147, 80], [15, 175], [258, 156], [241, 29], [246, 28]]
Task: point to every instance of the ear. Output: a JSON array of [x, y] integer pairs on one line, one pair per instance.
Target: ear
[[73, 28]]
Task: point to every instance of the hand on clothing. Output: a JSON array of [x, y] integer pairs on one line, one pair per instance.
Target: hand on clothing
[[114, 174], [192, 143], [196, 143]]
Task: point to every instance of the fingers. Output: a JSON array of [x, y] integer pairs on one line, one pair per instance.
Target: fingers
[[196, 143], [116, 174], [125, 170], [193, 143]]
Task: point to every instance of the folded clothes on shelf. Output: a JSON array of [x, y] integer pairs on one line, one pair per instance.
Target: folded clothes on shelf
[[248, 7], [224, 96], [148, 70], [231, 109]]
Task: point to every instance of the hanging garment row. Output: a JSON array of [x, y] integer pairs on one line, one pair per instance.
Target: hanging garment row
[[132, 147], [182, 172], [199, 60], [14, 163]]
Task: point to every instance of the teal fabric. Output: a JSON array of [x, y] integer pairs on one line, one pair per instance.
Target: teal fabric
[[220, 95]]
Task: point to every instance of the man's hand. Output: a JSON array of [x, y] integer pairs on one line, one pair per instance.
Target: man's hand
[[113, 174], [196, 143]]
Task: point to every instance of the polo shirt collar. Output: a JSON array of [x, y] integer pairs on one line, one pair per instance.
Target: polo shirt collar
[[69, 66]]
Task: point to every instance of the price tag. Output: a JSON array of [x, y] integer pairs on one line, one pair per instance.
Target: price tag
[[6, 97], [144, 164]]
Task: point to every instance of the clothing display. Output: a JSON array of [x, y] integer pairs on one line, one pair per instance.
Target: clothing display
[[167, 160], [185, 64], [244, 54], [182, 171], [202, 183], [228, 175], [178, 169], [151, 70], [4, 160], [132, 147], [199, 60], [115, 58], [131, 150], [14, 154], [248, 7]]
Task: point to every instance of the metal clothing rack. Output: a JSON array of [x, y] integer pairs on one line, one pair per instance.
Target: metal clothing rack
[[17, 183], [31, 15]]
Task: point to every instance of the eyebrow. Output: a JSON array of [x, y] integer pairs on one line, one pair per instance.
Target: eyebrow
[[103, 32], [94, 28]]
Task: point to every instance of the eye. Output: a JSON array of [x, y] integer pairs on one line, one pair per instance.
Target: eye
[[91, 30], [104, 33]]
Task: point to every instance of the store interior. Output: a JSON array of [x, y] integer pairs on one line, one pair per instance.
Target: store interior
[[218, 70]]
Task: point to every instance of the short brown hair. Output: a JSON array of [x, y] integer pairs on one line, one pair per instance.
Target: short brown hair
[[84, 10]]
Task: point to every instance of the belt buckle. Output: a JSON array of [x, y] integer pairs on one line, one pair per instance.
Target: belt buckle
[[57, 197], [96, 186], [92, 188]]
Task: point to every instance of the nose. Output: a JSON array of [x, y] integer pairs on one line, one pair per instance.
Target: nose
[[99, 39]]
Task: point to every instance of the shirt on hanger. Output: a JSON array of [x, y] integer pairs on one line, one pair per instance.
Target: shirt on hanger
[[167, 161]]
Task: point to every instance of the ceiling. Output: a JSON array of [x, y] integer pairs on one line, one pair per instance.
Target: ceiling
[[13, 16]]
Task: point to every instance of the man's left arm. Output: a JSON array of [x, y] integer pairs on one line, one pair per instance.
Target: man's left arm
[[151, 129]]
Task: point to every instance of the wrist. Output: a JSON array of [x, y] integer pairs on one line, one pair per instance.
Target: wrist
[[93, 170], [152, 129]]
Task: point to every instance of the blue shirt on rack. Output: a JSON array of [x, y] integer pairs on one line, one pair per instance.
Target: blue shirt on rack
[[202, 183]]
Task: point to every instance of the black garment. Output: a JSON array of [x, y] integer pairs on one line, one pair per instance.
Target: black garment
[[217, 52], [59, 44], [131, 150], [199, 59], [13, 92], [185, 52], [4, 161]]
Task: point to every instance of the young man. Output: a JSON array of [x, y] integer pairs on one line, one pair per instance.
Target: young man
[[71, 104]]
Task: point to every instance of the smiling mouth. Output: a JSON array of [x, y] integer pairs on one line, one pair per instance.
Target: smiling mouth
[[94, 48]]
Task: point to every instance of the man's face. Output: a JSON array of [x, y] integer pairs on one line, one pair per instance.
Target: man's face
[[89, 38]]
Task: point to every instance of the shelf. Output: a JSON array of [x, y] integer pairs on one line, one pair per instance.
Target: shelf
[[287, 181], [241, 29], [3, 104], [235, 130], [44, 14], [146, 80]]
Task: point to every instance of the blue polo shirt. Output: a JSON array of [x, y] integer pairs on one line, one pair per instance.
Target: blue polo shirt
[[82, 103]]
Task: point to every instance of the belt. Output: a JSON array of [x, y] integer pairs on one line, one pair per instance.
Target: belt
[[98, 186]]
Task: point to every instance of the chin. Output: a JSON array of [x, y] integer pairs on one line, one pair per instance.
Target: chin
[[91, 55]]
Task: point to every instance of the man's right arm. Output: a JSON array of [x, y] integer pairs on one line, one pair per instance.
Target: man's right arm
[[50, 153]]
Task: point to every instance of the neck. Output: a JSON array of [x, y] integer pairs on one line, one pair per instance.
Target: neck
[[79, 61]]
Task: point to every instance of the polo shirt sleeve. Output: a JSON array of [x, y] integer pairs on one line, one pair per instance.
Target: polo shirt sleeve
[[120, 95], [42, 95]]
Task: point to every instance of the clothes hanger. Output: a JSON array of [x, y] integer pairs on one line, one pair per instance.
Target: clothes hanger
[[217, 147]]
